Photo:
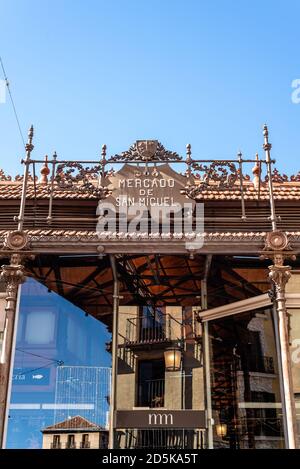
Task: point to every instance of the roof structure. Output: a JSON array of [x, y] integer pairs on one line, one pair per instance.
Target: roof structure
[[284, 187], [76, 423], [53, 208]]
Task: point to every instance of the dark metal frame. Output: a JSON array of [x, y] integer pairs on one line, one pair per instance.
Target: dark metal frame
[[201, 175]]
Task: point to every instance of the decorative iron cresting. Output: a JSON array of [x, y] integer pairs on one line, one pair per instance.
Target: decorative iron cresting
[[148, 151], [75, 177], [277, 177], [89, 179], [223, 174], [19, 177]]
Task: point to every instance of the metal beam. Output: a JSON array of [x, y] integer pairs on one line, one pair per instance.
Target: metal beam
[[114, 374]]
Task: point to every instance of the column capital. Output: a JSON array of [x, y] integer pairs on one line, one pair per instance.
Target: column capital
[[280, 275], [13, 273]]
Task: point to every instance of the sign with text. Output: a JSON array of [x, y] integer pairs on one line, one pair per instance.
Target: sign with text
[[160, 418], [156, 187], [27, 376]]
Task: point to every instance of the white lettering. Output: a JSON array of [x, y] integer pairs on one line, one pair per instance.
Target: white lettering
[[160, 419]]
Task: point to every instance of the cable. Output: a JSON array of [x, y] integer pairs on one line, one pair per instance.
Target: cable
[[34, 369], [12, 102], [39, 356], [51, 360]]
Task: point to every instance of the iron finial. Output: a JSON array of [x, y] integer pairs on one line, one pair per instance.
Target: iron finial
[[188, 160], [267, 145], [103, 151], [30, 134], [29, 146]]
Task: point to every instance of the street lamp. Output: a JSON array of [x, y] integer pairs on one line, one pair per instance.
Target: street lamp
[[221, 429], [173, 358]]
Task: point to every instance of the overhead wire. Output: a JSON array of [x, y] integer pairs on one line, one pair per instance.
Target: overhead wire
[[12, 101], [51, 361]]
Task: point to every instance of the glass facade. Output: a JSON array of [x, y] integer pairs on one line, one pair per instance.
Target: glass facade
[[295, 362], [246, 401], [62, 372], [61, 367]]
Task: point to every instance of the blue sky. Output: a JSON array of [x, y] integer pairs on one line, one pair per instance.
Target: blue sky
[[205, 72]]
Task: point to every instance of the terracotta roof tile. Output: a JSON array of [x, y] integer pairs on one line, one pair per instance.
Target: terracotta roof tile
[[74, 423], [285, 190]]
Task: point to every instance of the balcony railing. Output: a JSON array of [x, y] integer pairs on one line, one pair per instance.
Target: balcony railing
[[70, 446], [152, 393], [85, 445], [149, 330], [162, 439], [260, 365], [261, 426], [55, 446]]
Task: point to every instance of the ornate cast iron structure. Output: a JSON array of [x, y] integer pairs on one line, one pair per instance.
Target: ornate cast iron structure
[[278, 249], [146, 151], [12, 275], [89, 179]]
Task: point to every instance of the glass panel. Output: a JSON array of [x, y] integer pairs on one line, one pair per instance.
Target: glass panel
[[61, 371], [246, 400], [40, 327], [295, 362]]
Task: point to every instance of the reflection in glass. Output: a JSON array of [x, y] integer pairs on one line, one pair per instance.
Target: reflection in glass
[[295, 362], [245, 382], [40, 327], [52, 331]]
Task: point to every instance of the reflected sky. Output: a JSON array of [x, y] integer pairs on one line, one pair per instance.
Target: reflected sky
[[51, 333]]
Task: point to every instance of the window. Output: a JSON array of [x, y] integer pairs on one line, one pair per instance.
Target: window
[[151, 383], [85, 441], [71, 441], [152, 324], [56, 442], [40, 327]]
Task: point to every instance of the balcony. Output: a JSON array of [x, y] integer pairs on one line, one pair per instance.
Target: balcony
[[261, 427], [85, 445], [70, 445], [55, 446], [258, 365], [151, 393], [162, 439], [151, 330]]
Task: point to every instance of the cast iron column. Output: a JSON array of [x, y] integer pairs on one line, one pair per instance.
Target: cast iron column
[[13, 276], [280, 275], [114, 371]]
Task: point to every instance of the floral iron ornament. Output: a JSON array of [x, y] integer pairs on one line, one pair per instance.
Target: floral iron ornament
[[148, 151], [75, 177], [277, 247], [219, 174]]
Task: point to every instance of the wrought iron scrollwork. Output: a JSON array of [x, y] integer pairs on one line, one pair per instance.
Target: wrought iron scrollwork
[[148, 151], [4, 177], [74, 176], [277, 177], [223, 174]]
